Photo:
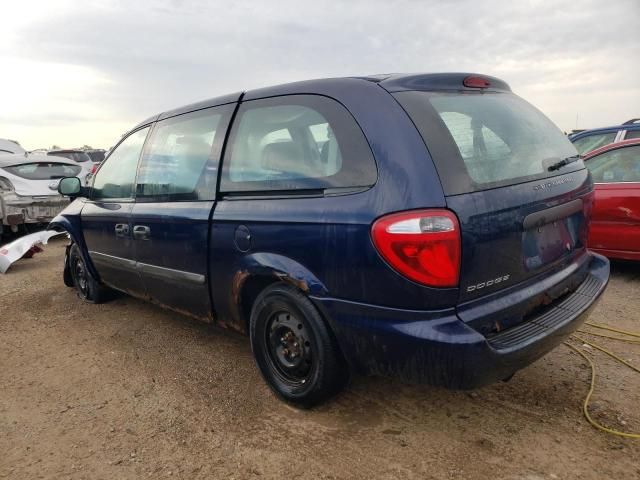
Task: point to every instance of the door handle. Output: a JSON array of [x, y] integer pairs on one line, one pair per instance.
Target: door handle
[[141, 232], [122, 230]]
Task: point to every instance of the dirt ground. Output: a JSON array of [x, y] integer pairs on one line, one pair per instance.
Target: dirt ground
[[128, 390]]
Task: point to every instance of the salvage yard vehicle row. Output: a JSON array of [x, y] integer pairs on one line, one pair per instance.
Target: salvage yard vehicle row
[[28, 188]]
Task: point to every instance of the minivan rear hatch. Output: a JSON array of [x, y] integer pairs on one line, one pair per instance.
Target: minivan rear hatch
[[521, 193]]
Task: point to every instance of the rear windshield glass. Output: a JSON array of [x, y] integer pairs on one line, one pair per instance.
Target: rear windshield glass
[[97, 156], [481, 141], [44, 171], [75, 156]]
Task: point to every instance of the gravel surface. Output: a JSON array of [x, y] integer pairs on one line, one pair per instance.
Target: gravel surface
[[128, 390]]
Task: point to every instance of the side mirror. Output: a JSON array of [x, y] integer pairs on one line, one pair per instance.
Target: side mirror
[[70, 187]]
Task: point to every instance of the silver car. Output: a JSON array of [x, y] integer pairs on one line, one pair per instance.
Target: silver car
[[10, 146], [29, 188]]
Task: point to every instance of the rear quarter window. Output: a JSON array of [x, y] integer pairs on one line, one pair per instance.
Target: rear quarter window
[[483, 140], [296, 142]]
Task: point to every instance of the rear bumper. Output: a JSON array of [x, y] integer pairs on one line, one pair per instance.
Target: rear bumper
[[440, 349], [18, 210]]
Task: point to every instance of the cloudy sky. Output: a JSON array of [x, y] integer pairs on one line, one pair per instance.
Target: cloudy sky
[[83, 72]]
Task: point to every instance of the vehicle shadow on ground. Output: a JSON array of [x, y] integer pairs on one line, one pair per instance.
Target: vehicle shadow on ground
[[625, 269], [540, 391]]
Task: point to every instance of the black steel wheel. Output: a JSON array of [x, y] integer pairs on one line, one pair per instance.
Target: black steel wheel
[[294, 348], [80, 276], [290, 350], [87, 288]]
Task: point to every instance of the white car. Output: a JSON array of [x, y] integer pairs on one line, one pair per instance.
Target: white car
[[80, 157], [29, 188], [10, 146]]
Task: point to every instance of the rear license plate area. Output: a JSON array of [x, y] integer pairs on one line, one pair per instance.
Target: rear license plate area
[[548, 243]]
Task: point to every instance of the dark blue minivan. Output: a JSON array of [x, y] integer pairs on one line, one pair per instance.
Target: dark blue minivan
[[431, 227]]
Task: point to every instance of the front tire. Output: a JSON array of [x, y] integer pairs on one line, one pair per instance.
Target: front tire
[[294, 349], [87, 288]]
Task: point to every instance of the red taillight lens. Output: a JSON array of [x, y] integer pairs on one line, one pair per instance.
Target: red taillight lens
[[94, 169], [476, 82], [422, 245]]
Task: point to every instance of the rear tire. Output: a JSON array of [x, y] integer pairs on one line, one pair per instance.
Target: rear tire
[[294, 349], [87, 288]]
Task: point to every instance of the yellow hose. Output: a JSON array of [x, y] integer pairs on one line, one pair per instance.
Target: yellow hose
[[607, 327], [604, 350], [628, 340], [587, 399]]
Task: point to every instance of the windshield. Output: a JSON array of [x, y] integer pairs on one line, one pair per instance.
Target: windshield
[[44, 171], [480, 141], [75, 156]]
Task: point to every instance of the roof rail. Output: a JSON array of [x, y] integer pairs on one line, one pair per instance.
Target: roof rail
[[632, 121]]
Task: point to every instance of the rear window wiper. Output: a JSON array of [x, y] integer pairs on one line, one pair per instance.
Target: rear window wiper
[[565, 161]]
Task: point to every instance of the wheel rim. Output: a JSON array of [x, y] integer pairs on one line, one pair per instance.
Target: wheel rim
[[81, 278], [289, 347]]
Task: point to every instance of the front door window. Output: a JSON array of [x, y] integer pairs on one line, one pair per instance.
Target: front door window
[[116, 177]]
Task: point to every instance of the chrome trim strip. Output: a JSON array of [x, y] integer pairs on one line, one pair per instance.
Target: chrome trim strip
[[152, 270], [170, 273], [112, 261]]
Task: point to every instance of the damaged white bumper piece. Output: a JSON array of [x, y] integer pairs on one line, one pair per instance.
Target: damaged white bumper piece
[[14, 251]]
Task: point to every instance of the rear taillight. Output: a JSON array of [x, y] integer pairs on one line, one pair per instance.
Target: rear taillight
[[94, 169], [422, 245]]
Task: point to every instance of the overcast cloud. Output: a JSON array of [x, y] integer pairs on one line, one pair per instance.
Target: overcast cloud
[[83, 72]]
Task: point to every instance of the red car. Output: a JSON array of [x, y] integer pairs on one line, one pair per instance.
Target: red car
[[615, 223]]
